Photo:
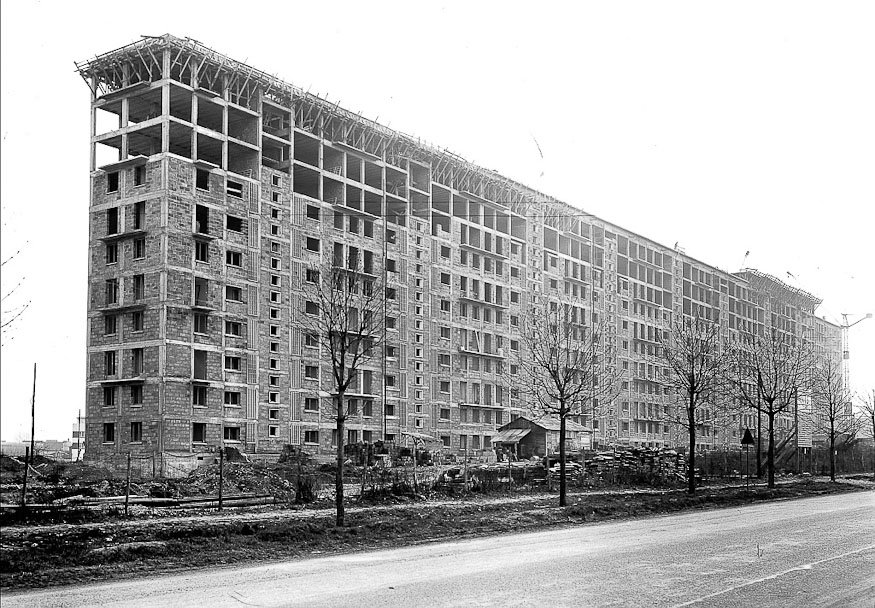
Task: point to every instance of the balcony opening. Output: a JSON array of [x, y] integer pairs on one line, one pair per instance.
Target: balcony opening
[[242, 126], [106, 153], [396, 182], [518, 227], [209, 149], [489, 217], [209, 115], [332, 160], [180, 103], [502, 223], [275, 155], [276, 121], [139, 215], [149, 140], [419, 205], [474, 212], [396, 212], [440, 225], [440, 199], [460, 207], [107, 119], [353, 168], [420, 177], [306, 149], [201, 292], [354, 197], [200, 365], [202, 219], [373, 204], [332, 191], [243, 160], [373, 175], [306, 182], [112, 220]]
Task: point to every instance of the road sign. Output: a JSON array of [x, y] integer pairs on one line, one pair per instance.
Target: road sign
[[748, 438]]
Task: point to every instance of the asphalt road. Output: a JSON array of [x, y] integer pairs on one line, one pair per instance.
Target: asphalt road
[[810, 552]]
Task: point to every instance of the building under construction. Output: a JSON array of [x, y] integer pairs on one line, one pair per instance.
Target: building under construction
[[224, 184]]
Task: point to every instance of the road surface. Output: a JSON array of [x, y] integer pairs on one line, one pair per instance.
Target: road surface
[[810, 552]]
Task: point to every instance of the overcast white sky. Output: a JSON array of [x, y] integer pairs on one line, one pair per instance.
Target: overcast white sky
[[728, 127]]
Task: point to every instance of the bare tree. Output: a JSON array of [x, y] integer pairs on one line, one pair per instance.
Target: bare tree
[[867, 418], [12, 305], [698, 370], [344, 311], [768, 370], [566, 367], [831, 405]]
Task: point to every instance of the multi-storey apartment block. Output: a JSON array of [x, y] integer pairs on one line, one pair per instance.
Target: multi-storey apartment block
[[226, 184]]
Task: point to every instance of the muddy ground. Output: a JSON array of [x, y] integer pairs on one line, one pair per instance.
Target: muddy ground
[[34, 556]]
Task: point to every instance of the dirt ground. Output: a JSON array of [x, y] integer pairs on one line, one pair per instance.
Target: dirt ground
[[34, 556]]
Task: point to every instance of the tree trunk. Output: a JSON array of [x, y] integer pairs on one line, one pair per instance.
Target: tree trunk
[[338, 477], [770, 456], [562, 499], [832, 450], [873, 451], [759, 434], [691, 466]]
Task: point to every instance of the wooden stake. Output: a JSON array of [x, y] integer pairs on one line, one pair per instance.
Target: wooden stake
[[26, 467], [128, 486], [28, 455], [221, 474]]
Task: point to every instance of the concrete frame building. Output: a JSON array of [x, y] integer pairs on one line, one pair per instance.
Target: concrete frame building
[[225, 183]]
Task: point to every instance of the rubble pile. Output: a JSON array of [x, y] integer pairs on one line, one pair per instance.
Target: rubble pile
[[238, 478]]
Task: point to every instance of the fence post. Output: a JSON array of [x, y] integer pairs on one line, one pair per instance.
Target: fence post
[[466, 467], [221, 474], [128, 485], [26, 466]]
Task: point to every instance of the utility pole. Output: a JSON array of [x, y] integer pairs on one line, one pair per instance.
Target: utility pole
[[24, 485], [846, 350], [79, 438], [385, 309], [28, 454]]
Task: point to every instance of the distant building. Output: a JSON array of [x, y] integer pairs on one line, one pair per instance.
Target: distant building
[[77, 443], [50, 448], [13, 448]]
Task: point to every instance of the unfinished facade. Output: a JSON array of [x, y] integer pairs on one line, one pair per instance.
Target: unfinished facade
[[224, 184]]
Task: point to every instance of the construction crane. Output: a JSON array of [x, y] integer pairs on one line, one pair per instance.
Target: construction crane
[[846, 353]]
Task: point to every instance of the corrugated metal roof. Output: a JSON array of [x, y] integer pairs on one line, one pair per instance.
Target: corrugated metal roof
[[510, 436], [552, 424]]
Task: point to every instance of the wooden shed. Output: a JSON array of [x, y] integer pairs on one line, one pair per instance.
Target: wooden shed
[[526, 438]]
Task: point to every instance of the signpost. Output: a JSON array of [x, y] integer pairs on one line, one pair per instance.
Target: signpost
[[747, 441]]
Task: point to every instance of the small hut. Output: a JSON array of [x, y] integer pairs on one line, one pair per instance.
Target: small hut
[[525, 438]]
